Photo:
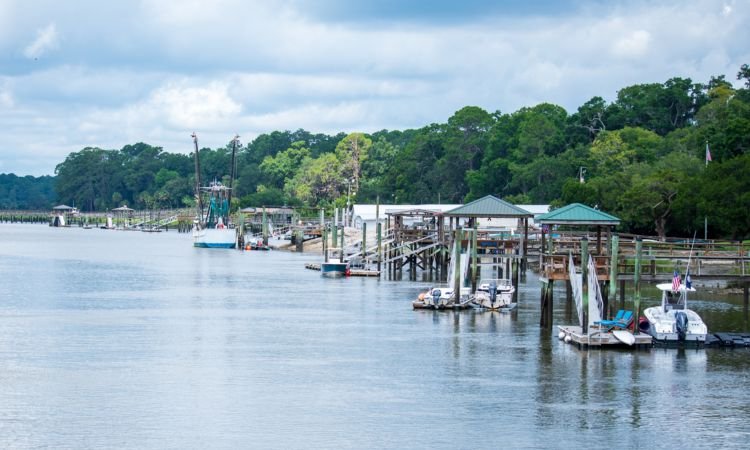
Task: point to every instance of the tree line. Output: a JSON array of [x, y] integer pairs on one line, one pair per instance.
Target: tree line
[[643, 157]]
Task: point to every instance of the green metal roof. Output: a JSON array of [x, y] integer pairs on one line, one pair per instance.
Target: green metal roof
[[488, 206], [577, 214]]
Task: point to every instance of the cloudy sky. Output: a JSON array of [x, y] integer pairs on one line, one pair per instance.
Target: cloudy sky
[[109, 73]]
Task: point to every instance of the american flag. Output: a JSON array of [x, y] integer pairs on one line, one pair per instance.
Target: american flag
[[676, 281]]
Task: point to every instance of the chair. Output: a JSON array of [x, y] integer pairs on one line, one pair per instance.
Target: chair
[[622, 324], [617, 319]]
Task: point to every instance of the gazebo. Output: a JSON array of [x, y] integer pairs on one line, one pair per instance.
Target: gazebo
[[582, 216], [492, 207]]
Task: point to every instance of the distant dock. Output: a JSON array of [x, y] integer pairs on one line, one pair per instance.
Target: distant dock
[[352, 272]]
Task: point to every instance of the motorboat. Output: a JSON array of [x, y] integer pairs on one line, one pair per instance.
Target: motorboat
[[440, 297], [334, 264], [672, 321], [495, 294]]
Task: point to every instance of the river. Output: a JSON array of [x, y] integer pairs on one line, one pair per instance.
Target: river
[[112, 339]]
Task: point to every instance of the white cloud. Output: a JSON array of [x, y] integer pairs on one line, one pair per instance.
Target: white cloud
[[156, 70], [633, 45], [46, 39]]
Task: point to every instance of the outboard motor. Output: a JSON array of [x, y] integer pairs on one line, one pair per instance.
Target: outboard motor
[[681, 322], [493, 292], [436, 298]]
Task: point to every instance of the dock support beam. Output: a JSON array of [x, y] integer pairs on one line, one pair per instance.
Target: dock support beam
[[613, 273], [637, 281], [585, 283], [545, 320]]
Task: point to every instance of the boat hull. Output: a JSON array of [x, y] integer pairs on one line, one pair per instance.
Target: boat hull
[[662, 325], [214, 238], [334, 270]]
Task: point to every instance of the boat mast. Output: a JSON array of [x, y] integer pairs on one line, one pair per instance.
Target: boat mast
[[232, 171], [198, 178]]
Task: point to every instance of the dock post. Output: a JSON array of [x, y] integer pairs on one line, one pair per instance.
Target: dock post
[[515, 270], [637, 281], [457, 264], [364, 242], [613, 272], [380, 243], [334, 233], [265, 227], [325, 241], [746, 298], [300, 240], [343, 228], [585, 283], [622, 294], [474, 258]]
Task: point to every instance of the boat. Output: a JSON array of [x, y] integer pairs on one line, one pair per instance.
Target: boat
[[495, 294], [673, 321], [212, 228], [443, 296], [334, 264]]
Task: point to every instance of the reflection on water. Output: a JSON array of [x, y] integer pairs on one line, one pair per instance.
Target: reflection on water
[[138, 340]]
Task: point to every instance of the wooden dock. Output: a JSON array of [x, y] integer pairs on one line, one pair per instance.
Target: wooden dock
[[352, 272], [597, 338]]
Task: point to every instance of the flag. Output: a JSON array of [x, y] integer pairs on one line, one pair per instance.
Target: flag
[[688, 281], [676, 281], [708, 153]]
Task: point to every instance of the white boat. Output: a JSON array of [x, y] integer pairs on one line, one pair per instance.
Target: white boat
[[443, 296], [495, 294], [211, 228], [672, 321]]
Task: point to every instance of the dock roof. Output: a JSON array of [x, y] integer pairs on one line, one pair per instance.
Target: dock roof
[[489, 206], [577, 214]]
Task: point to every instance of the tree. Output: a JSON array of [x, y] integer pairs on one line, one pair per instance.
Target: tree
[[352, 152]]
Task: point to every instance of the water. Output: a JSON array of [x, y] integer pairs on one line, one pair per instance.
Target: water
[[114, 339]]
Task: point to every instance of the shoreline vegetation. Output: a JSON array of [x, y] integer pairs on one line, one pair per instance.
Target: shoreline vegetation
[[651, 157]]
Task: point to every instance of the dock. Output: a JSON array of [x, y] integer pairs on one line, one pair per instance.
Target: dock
[[596, 338], [352, 272]]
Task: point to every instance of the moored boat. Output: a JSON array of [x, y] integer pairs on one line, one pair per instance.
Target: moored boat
[[673, 321], [212, 228], [495, 294], [334, 265]]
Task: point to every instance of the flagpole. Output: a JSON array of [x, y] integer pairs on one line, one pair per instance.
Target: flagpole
[[705, 218]]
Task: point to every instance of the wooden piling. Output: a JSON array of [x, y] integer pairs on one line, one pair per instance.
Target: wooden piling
[[457, 264], [584, 283], [613, 272], [380, 244], [474, 258], [265, 227], [637, 282]]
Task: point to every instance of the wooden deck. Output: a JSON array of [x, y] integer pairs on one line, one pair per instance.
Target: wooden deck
[[597, 338], [352, 272]]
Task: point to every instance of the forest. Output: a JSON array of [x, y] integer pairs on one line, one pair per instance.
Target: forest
[[661, 156]]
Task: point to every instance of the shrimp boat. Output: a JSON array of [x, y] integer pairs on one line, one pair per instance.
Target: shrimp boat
[[672, 321], [211, 227], [495, 294]]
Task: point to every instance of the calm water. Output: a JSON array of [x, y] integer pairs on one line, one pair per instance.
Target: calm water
[[137, 340]]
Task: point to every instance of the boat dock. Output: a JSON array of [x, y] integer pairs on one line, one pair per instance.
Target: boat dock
[[573, 334], [352, 272]]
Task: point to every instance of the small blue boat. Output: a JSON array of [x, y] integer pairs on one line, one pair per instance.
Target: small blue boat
[[334, 265]]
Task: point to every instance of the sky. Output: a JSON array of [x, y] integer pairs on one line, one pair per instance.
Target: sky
[[92, 73]]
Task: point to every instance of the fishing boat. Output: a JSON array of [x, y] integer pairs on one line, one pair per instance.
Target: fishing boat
[[495, 294], [673, 321], [212, 228], [334, 264]]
